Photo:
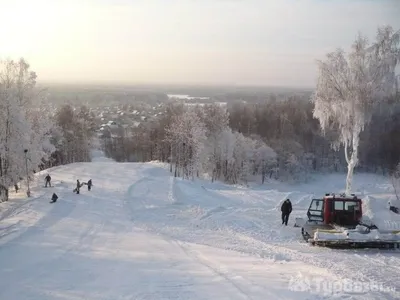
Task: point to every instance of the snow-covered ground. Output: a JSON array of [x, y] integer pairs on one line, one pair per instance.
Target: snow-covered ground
[[142, 234]]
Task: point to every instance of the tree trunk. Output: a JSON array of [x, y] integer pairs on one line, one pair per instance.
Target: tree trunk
[[349, 178], [3, 193], [170, 159], [352, 162], [176, 170]]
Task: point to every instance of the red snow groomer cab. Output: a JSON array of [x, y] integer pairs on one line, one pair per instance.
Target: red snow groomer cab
[[336, 221]]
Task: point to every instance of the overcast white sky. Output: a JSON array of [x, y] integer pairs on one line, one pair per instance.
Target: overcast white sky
[[245, 42]]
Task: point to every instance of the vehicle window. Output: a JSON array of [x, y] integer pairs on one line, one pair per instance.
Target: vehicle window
[[338, 205], [352, 205], [317, 204]]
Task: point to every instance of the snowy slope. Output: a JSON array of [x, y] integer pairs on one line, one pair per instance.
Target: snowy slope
[[141, 234]]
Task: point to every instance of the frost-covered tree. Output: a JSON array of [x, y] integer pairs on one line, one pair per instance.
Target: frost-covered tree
[[264, 159], [73, 134], [221, 154], [243, 154], [216, 121], [40, 144], [187, 136], [24, 124], [350, 87]]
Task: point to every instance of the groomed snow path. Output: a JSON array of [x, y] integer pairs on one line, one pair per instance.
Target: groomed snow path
[[141, 234]]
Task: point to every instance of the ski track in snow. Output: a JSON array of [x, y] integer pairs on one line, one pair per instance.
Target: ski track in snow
[[143, 234]]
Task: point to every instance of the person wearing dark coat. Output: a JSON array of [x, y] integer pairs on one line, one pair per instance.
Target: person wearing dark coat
[[78, 186], [54, 198], [89, 184], [48, 180], [286, 209]]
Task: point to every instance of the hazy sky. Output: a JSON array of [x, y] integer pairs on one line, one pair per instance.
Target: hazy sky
[[245, 42]]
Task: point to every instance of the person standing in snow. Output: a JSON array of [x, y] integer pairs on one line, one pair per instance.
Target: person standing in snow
[[48, 180], [78, 186], [286, 209], [89, 184]]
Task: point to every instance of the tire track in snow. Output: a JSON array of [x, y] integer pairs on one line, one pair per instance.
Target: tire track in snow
[[176, 244], [88, 236], [131, 195], [198, 258]]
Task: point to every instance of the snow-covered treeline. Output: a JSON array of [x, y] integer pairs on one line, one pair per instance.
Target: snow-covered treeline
[[201, 142], [285, 125], [224, 137], [197, 141], [32, 137]]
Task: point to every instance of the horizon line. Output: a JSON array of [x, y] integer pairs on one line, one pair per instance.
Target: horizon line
[[169, 84]]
